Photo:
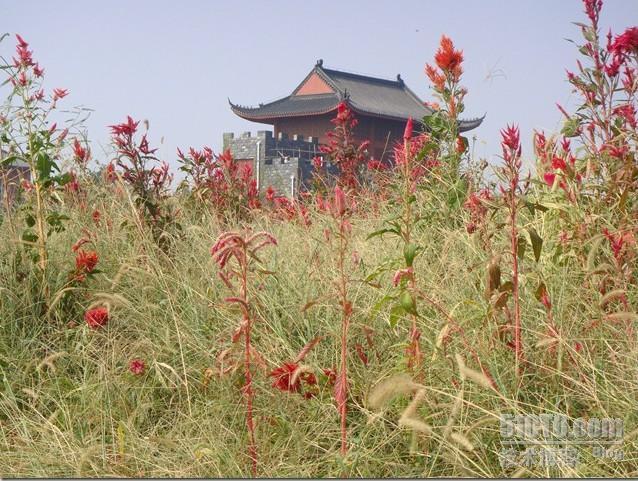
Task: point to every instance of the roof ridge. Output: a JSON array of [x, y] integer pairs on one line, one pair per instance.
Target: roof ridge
[[398, 82]]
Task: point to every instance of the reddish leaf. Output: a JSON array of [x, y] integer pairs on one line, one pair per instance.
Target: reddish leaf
[[307, 348], [361, 354]]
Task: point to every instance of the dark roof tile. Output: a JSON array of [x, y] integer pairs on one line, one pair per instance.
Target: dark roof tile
[[366, 95]]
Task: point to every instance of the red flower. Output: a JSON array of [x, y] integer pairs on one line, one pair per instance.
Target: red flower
[[618, 241], [592, 9], [511, 138], [96, 317], [81, 154], [283, 377], [407, 273], [448, 59], [22, 79], [59, 94], [137, 366], [38, 71], [435, 77], [86, 261], [96, 217], [21, 41], [361, 353], [626, 42], [339, 202], [309, 378], [460, 145], [270, 193], [407, 134], [628, 113], [110, 173], [374, 164], [331, 374], [549, 178], [558, 163], [127, 128], [24, 54]]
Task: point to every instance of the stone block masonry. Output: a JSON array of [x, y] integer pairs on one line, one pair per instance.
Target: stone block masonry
[[279, 161]]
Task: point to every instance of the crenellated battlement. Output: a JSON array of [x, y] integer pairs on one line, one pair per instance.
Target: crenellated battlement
[[282, 161], [267, 138]]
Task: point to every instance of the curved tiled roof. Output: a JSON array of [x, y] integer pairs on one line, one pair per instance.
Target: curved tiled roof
[[290, 106], [373, 96]]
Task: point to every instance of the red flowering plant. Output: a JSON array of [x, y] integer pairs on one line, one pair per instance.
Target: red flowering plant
[[96, 317], [343, 151], [220, 183], [283, 208], [319, 178], [28, 133], [604, 125], [593, 165], [401, 226], [296, 377], [147, 177], [512, 193], [379, 177], [137, 366], [341, 209], [476, 205], [443, 124], [236, 256]]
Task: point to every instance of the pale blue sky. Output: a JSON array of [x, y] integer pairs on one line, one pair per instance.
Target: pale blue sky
[[176, 63]]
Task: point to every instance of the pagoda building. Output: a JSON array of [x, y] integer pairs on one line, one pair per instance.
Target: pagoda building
[[302, 119]]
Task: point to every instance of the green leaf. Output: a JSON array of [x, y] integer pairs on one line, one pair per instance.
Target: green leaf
[[501, 300], [43, 165], [540, 290], [380, 232], [521, 245], [589, 33], [395, 314], [506, 287], [9, 160], [30, 220], [571, 128], [407, 302], [534, 206], [536, 241], [409, 253], [457, 194], [29, 236], [64, 178]]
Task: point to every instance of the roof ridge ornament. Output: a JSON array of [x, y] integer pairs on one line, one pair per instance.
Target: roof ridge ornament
[[319, 63], [399, 79]]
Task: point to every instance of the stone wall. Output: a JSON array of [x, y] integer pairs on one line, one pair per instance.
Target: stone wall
[[282, 174], [10, 179], [275, 159]]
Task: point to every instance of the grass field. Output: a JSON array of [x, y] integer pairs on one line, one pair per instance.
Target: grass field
[[70, 406]]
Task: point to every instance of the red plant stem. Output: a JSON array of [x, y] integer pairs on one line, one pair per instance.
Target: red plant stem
[[518, 346], [407, 206], [248, 388], [345, 323]]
